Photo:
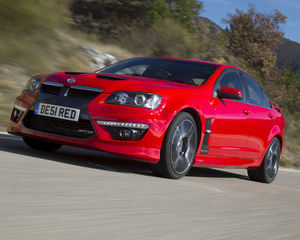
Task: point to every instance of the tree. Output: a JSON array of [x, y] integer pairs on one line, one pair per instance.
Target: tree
[[184, 11], [252, 35], [114, 17], [287, 77], [297, 75]]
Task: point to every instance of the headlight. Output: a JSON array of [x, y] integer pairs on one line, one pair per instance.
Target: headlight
[[135, 99], [32, 85]]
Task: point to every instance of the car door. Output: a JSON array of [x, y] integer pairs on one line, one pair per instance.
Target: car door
[[231, 125], [262, 113]]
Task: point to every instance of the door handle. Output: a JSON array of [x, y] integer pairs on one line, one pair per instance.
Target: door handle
[[271, 115], [246, 111]]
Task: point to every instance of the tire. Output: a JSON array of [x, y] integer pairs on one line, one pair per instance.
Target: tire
[[178, 149], [268, 169], [41, 145]]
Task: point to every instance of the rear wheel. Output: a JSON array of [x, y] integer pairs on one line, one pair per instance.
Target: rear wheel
[[41, 145], [267, 172], [178, 149]]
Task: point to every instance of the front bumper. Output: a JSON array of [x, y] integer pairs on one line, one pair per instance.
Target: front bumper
[[97, 137]]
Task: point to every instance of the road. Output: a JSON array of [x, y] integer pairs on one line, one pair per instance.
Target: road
[[81, 194]]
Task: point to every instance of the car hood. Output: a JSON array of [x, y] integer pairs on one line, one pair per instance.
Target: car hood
[[116, 82]]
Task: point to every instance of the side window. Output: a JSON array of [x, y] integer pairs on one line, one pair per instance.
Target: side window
[[268, 103], [255, 94], [231, 79]]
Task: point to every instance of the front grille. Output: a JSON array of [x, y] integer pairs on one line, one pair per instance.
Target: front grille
[[76, 92], [82, 129], [81, 94], [54, 90]]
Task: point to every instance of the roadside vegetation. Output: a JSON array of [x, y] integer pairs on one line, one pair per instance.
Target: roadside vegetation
[[39, 36]]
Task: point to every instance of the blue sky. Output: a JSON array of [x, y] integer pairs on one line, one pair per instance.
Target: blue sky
[[215, 10]]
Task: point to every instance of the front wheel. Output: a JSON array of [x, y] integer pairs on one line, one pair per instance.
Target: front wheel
[[268, 169], [178, 149], [41, 145]]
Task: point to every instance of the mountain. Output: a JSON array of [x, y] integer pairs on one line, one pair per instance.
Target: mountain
[[288, 53], [212, 26]]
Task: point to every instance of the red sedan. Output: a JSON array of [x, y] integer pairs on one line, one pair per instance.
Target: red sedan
[[172, 113]]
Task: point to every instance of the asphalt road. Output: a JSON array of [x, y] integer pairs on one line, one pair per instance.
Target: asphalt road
[[80, 194]]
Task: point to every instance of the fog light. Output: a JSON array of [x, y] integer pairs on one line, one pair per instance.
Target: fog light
[[126, 133], [17, 112]]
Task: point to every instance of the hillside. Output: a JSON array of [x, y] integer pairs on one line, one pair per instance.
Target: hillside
[[34, 42], [213, 28], [288, 54]]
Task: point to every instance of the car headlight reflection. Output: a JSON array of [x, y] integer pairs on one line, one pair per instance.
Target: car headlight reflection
[[32, 85], [135, 99], [122, 98], [139, 99]]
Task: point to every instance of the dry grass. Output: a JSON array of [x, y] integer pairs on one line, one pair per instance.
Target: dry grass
[[59, 56], [33, 41]]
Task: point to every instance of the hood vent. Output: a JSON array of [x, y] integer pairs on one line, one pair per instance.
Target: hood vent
[[110, 77], [74, 73]]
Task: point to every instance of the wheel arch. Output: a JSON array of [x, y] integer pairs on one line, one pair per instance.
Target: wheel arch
[[276, 132], [280, 141], [189, 106], [164, 165], [196, 117]]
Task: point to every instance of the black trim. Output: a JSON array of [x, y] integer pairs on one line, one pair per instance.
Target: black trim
[[205, 148], [82, 129], [108, 77], [75, 73]]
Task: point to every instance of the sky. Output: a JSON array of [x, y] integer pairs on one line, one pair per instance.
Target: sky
[[215, 10]]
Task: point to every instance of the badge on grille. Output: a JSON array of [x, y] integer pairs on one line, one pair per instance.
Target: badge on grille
[[71, 80]]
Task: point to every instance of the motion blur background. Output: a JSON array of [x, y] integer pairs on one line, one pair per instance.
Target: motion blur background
[[39, 36]]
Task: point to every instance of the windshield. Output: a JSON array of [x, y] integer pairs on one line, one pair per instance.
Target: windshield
[[187, 72]]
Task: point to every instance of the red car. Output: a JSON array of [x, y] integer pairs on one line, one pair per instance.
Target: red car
[[172, 113]]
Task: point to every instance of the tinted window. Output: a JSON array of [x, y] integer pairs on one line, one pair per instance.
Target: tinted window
[[230, 79], [267, 101], [255, 94], [188, 72]]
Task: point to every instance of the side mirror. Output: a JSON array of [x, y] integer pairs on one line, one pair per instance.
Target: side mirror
[[278, 109], [231, 93]]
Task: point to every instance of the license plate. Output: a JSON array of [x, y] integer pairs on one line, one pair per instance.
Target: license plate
[[55, 111]]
